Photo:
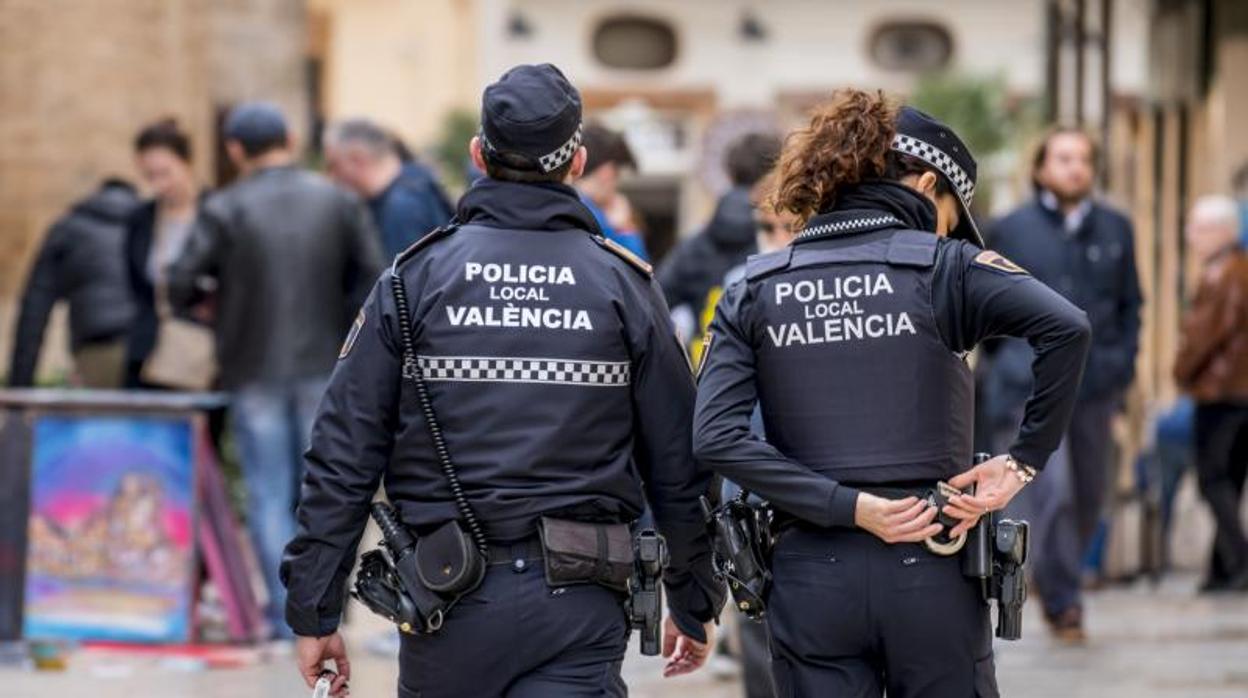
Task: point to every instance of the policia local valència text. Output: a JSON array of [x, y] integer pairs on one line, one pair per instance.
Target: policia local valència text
[[836, 309], [524, 283]]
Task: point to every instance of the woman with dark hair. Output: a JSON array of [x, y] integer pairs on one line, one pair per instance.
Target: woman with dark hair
[[852, 341], [157, 231]]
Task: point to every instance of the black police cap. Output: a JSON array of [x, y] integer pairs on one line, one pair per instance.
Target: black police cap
[[927, 139], [532, 115]]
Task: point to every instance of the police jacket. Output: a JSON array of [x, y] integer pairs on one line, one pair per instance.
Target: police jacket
[[81, 261], [292, 257], [557, 381], [1093, 266], [853, 341]]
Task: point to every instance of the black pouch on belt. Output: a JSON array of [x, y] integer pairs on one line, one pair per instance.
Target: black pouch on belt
[[447, 560], [578, 552]]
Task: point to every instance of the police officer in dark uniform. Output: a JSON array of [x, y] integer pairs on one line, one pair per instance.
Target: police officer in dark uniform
[[853, 341], [560, 389]]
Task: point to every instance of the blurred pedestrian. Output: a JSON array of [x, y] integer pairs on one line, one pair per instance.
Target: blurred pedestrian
[[1084, 250], [698, 264], [1239, 186], [289, 257], [156, 233], [599, 186], [403, 196], [81, 260], [1212, 366]]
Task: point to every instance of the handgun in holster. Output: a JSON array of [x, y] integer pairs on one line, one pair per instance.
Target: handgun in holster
[[645, 589], [995, 552], [741, 543]]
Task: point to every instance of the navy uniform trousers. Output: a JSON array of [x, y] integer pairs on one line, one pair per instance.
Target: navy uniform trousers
[[517, 637], [851, 616]]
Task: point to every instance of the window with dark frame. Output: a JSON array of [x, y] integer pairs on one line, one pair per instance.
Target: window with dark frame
[[911, 45], [631, 42]]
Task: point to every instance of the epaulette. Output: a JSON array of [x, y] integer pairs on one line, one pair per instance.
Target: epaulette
[[912, 248], [425, 240], [760, 265], [625, 254]]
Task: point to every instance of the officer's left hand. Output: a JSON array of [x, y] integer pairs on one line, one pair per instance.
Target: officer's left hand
[[684, 654], [995, 486]]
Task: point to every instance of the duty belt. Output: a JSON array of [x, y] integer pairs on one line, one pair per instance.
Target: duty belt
[[513, 553], [937, 494]]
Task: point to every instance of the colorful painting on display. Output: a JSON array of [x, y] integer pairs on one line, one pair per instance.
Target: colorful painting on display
[[110, 548]]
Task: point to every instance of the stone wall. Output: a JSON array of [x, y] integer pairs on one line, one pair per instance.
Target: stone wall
[[79, 77]]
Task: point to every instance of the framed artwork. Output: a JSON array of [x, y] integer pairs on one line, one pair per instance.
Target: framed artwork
[[110, 551]]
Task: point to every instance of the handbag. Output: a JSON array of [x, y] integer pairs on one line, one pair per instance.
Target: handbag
[[185, 355]]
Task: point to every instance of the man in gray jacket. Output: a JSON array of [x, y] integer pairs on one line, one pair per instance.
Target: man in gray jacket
[[287, 258]]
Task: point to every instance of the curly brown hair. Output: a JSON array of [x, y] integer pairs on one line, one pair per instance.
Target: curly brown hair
[[847, 141]]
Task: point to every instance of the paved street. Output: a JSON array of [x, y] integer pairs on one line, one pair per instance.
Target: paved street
[[1145, 644]]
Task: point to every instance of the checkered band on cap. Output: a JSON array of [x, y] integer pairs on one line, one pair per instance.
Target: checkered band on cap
[[962, 184], [503, 369], [554, 160]]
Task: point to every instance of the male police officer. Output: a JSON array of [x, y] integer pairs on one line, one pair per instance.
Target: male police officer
[[852, 340], [560, 390]]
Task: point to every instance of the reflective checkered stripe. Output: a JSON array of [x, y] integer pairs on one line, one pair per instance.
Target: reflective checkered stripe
[[494, 369], [850, 225], [554, 160], [937, 158]]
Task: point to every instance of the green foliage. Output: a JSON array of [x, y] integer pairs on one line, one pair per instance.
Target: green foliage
[[987, 118], [973, 106], [458, 127]]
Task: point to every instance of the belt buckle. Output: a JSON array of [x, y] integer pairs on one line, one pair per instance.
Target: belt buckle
[[938, 498]]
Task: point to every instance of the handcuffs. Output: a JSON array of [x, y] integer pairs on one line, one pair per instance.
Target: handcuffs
[[942, 543]]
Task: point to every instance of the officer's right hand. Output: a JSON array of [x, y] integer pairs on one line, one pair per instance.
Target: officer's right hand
[[312, 652], [908, 520], [685, 654]]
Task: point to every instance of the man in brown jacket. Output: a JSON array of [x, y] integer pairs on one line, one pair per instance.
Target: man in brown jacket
[[1212, 366]]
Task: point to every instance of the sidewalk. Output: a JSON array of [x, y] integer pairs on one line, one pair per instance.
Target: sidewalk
[[1145, 644]]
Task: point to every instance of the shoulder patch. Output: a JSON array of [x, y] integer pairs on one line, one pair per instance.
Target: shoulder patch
[[425, 240], [353, 335], [625, 254], [993, 260]]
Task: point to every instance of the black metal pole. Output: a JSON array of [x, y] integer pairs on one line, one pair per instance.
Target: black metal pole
[[1053, 61], [1081, 35], [1107, 90]]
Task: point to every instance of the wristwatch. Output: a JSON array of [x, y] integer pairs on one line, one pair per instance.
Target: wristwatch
[[1025, 472]]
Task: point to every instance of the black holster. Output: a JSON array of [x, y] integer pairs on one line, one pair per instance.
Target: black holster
[[644, 605], [995, 552], [741, 543]]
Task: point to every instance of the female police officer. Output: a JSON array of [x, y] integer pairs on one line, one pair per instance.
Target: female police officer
[[853, 342]]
